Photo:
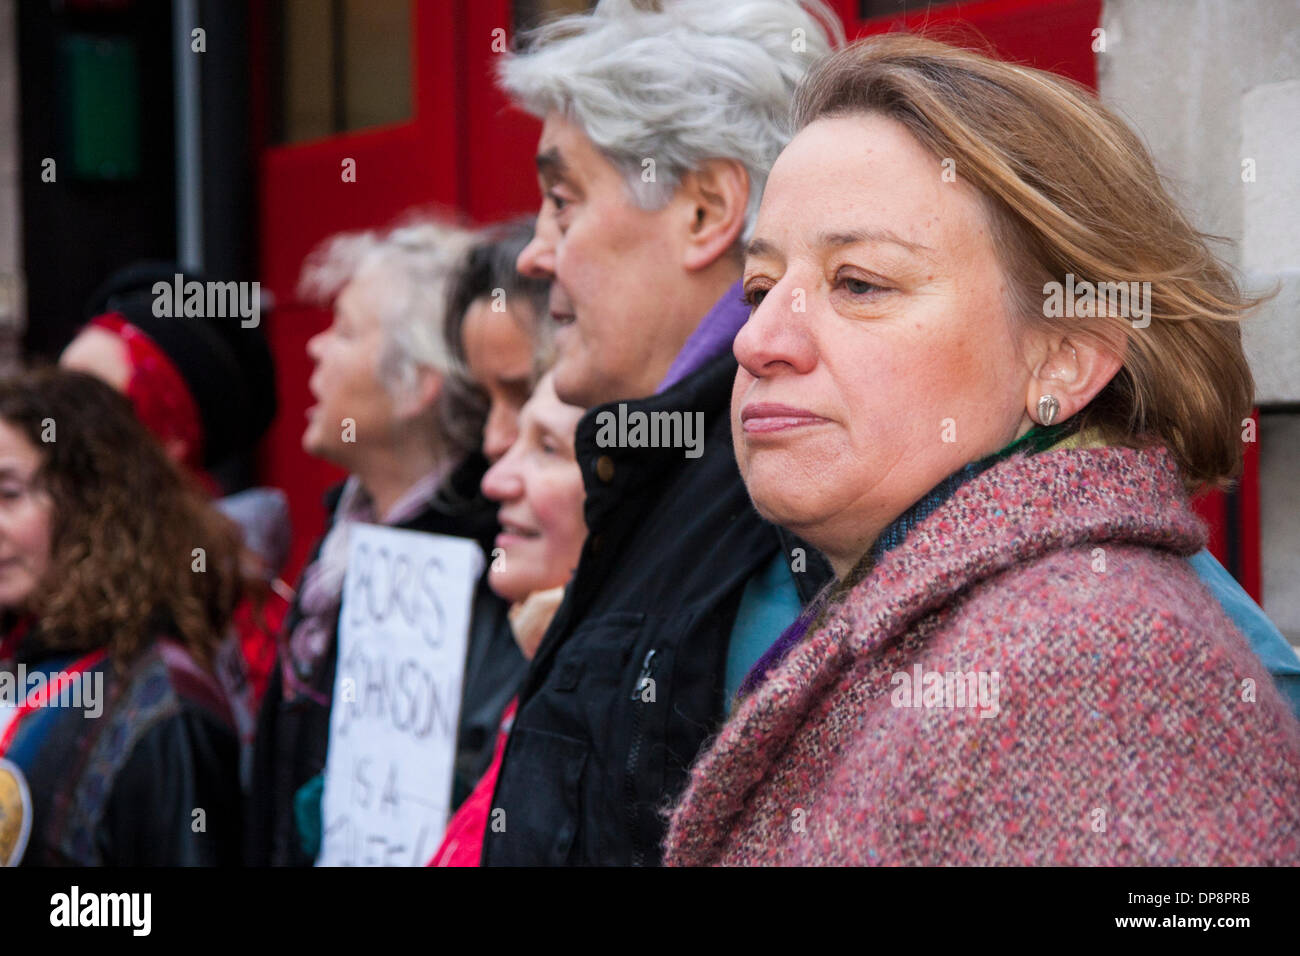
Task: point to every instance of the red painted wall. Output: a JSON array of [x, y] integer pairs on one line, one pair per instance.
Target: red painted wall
[[1049, 34]]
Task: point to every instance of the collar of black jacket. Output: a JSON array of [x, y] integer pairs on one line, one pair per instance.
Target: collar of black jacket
[[616, 473]]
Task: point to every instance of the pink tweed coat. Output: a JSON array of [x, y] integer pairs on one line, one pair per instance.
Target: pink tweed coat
[[1124, 720]]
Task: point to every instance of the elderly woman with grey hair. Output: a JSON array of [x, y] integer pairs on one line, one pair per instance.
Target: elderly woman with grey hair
[[386, 410]]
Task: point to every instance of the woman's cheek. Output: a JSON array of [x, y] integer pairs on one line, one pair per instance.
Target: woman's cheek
[[560, 510], [36, 540]]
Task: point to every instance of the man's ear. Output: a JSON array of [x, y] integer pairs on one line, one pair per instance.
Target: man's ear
[[715, 197], [1072, 369], [421, 396]]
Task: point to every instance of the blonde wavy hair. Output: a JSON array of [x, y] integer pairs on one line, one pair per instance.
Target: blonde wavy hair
[[1070, 189]]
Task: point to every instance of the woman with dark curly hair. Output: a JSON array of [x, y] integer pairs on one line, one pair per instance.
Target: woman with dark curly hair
[[117, 583]]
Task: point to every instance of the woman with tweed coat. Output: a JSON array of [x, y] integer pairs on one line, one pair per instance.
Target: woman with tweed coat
[[942, 387]]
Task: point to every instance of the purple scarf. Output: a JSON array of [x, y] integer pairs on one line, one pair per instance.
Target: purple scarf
[[711, 338]]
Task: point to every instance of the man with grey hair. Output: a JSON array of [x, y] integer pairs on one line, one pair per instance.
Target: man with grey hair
[[660, 124]]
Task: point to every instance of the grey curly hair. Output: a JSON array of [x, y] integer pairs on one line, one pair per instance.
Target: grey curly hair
[[421, 257], [679, 82]]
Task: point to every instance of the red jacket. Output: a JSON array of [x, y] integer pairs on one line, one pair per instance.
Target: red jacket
[[462, 843]]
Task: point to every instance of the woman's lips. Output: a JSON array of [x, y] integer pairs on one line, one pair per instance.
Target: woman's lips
[[765, 417], [512, 533]]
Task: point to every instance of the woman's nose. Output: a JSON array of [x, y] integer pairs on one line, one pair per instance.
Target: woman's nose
[[314, 346], [502, 482], [500, 432], [777, 335]]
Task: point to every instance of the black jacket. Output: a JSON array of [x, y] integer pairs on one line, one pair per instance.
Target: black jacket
[[123, 784], [293, 735], [628, 681]]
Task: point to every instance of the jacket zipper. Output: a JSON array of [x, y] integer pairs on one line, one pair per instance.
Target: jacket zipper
[[634, 751]]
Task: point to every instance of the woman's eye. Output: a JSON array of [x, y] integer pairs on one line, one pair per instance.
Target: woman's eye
[[754, 297], [860, 286], [559, 201]]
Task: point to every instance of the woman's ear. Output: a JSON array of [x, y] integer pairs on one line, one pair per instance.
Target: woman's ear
[[420, 397], [1072, 370], [716, 197]]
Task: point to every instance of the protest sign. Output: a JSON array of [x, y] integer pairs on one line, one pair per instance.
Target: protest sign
[[403, 630]]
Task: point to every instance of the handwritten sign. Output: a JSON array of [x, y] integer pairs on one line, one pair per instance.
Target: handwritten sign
[[403, 631]]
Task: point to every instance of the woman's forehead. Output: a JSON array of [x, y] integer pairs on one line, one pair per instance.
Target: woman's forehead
[[864, 179]]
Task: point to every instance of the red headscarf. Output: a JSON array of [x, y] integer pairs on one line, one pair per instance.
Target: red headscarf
[[159, 395]]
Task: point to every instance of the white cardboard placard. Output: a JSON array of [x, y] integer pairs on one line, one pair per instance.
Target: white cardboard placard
[[403, 631]]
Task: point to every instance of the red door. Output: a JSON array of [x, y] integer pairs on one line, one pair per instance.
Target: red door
[[455, 153]]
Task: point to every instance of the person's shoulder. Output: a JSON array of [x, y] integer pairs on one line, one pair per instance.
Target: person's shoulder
[[1103, 583], [171, 709], [1114, 612], [175, 765], [166, 682]]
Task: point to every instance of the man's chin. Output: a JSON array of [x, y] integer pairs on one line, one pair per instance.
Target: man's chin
[[573, 385]]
